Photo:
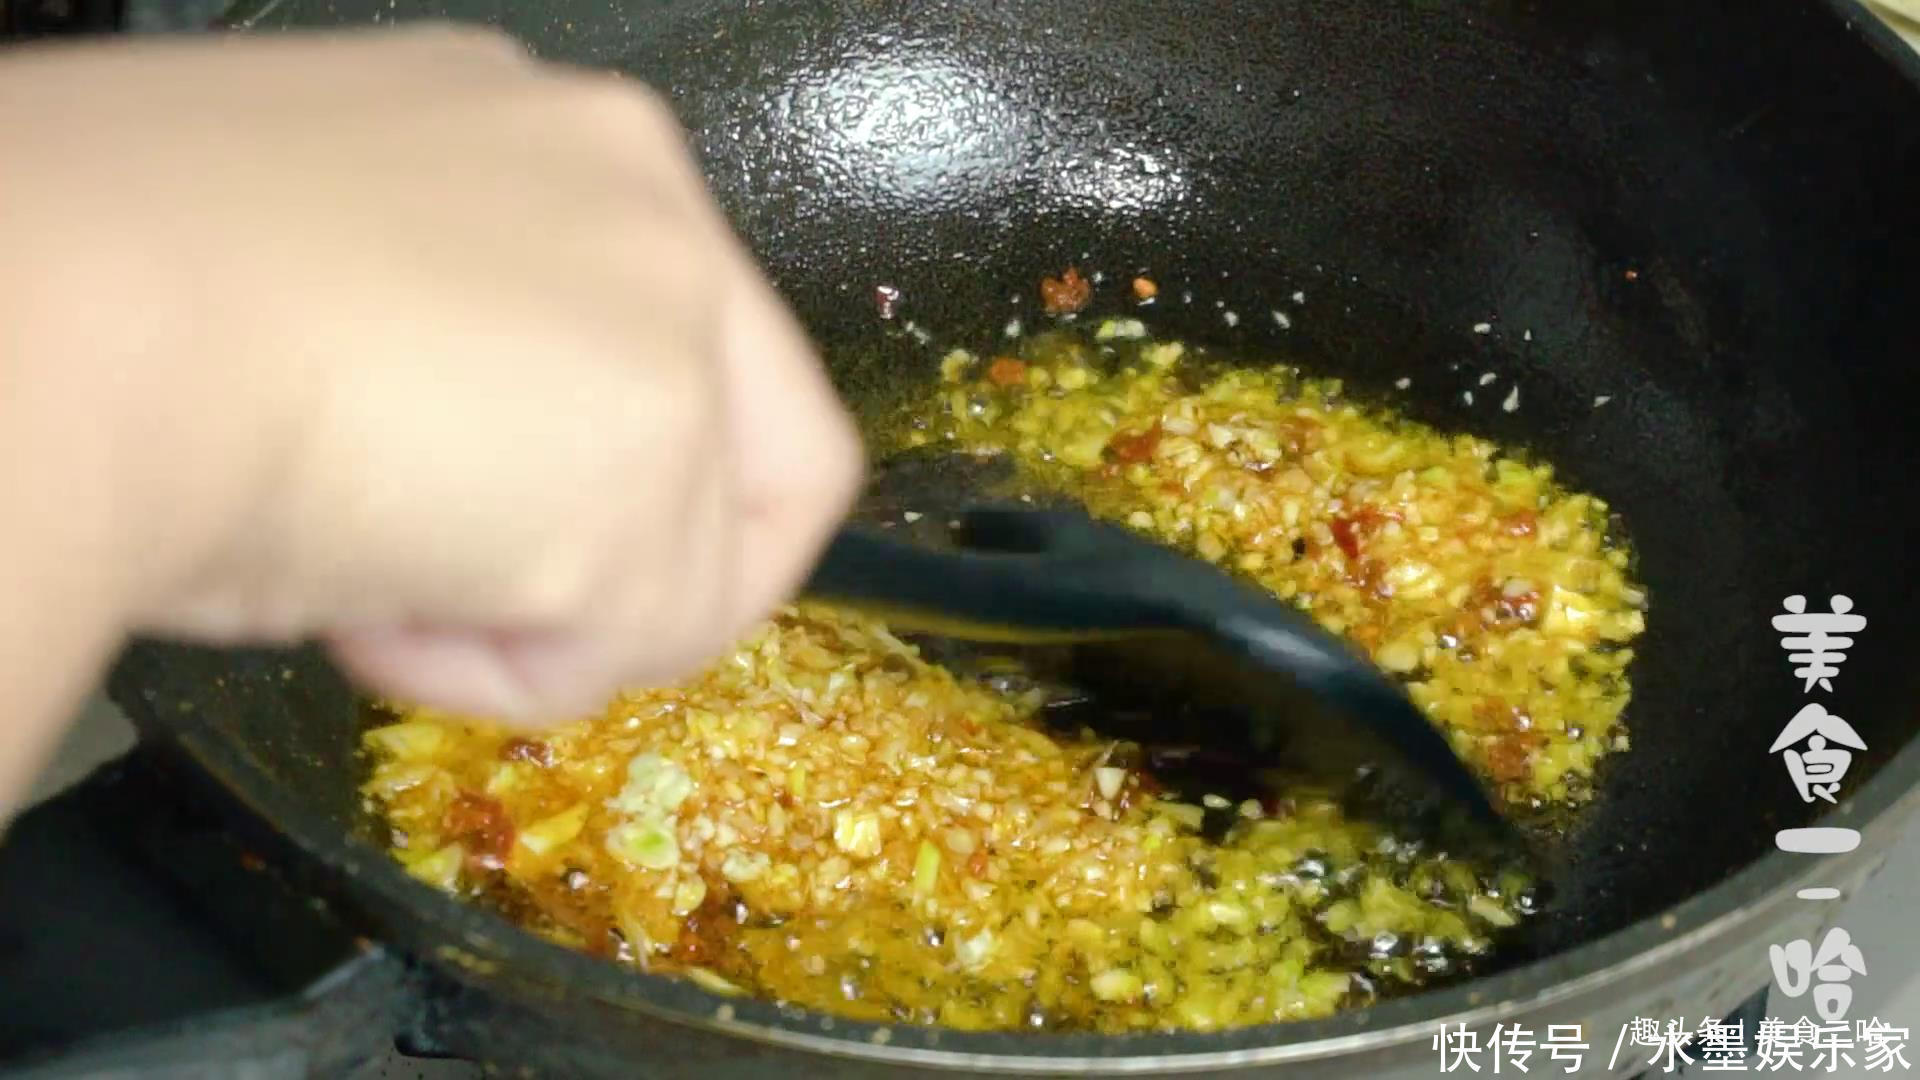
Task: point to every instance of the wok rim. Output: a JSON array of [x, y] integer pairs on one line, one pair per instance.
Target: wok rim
[[472, 937]]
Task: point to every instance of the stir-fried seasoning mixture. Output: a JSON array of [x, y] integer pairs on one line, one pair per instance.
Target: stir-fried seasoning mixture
[[1495, 594], [826, 818]]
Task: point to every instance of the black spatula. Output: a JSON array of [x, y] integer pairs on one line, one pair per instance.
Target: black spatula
[[1226, 664]]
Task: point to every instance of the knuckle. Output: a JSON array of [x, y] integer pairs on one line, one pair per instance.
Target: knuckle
[[639, 127], [842, 464], [620, 103], [555, 589], [471, 38], [812, 485], [675, 276], [825, 449]]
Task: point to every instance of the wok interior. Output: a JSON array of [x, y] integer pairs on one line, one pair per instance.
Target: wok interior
[[1699, 220]]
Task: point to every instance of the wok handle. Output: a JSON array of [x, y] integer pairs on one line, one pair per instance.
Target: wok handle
[[143, 939], [340, 1027]]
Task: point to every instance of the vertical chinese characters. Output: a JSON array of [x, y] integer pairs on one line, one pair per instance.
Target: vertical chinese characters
[[1817, 746]]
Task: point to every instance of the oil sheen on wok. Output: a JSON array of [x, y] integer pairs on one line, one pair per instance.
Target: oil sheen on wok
[[827, 818]]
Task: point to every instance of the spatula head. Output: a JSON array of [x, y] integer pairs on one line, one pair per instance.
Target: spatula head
[[1232, 664], [1210, 697]]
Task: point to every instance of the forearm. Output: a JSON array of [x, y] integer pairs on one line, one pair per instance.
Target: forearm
[[92, 518], [53, 642], [60, 578]]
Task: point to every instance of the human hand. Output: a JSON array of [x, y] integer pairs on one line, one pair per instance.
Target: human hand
[[407, 341]]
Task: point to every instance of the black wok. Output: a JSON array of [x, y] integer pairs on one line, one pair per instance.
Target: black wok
[[1707, 213]]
